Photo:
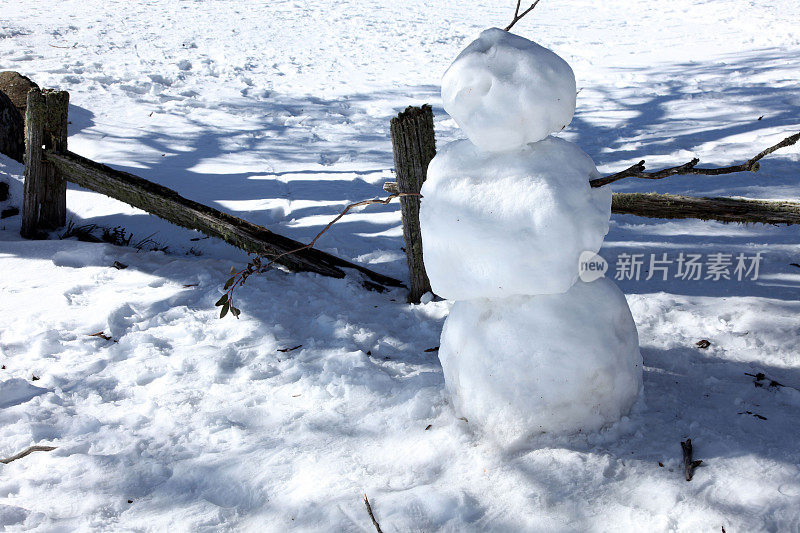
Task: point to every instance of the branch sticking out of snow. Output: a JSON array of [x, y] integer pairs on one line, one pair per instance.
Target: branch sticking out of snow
[[688, 464], [372, 516], [27, 451]]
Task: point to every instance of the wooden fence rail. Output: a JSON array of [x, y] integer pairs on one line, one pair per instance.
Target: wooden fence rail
[[654, 205], [54, 165]]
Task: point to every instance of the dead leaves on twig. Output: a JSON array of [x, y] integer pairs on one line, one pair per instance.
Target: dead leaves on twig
[[102, 335], [238, 277]]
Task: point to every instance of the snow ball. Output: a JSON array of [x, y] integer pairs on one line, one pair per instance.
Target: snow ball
[[559, 363], [498, 224], [505, 91]]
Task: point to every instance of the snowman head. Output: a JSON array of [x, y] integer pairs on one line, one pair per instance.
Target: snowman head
[[505, 91]]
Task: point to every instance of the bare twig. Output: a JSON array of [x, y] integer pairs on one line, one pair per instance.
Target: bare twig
[[372, 516], [518, 16], [637, 170], [27, 451], [688, 464], [383, 201], [238, 277]]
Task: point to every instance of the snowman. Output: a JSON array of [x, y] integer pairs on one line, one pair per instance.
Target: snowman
[[528, 347]]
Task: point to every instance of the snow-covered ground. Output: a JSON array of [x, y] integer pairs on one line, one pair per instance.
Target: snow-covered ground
[[278, 112]]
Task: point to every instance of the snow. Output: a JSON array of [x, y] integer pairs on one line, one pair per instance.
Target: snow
[[498, 224], [558, 363], [505, 91], [16, 390], [283, 119]]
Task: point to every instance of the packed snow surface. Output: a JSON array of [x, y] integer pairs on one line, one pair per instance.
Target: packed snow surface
[[505, 91], [278, 112], [556, 363], [498, 224]]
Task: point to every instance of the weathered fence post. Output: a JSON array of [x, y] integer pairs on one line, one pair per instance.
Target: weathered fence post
[[34, 169], [44, 205], [414, 145], [53, 192]]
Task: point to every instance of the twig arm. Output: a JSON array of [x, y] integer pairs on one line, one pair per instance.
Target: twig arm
[[637, 170]]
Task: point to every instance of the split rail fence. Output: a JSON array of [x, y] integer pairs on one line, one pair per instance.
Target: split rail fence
[[49, 165]]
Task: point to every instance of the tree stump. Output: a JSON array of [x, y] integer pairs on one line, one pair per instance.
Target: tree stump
[[12, 135], [44, 203], [413, 145], [16, 87]]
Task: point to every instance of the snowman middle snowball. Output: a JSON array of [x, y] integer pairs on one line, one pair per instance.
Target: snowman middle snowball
[[498, 224]]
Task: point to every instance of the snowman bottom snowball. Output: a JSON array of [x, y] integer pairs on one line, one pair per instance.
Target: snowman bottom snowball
[[525, 365]]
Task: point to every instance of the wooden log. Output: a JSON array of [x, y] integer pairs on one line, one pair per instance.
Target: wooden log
[[53, 188], [653, 205], [413, 145], [34, 169], [169, 205]]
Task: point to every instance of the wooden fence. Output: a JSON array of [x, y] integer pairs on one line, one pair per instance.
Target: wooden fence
[[49, 165]]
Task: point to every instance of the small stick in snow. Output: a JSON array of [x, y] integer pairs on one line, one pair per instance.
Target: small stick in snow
[[372, 516], [284, 350], [688, 464], [637, 170], [517, 15], [27, 451]]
